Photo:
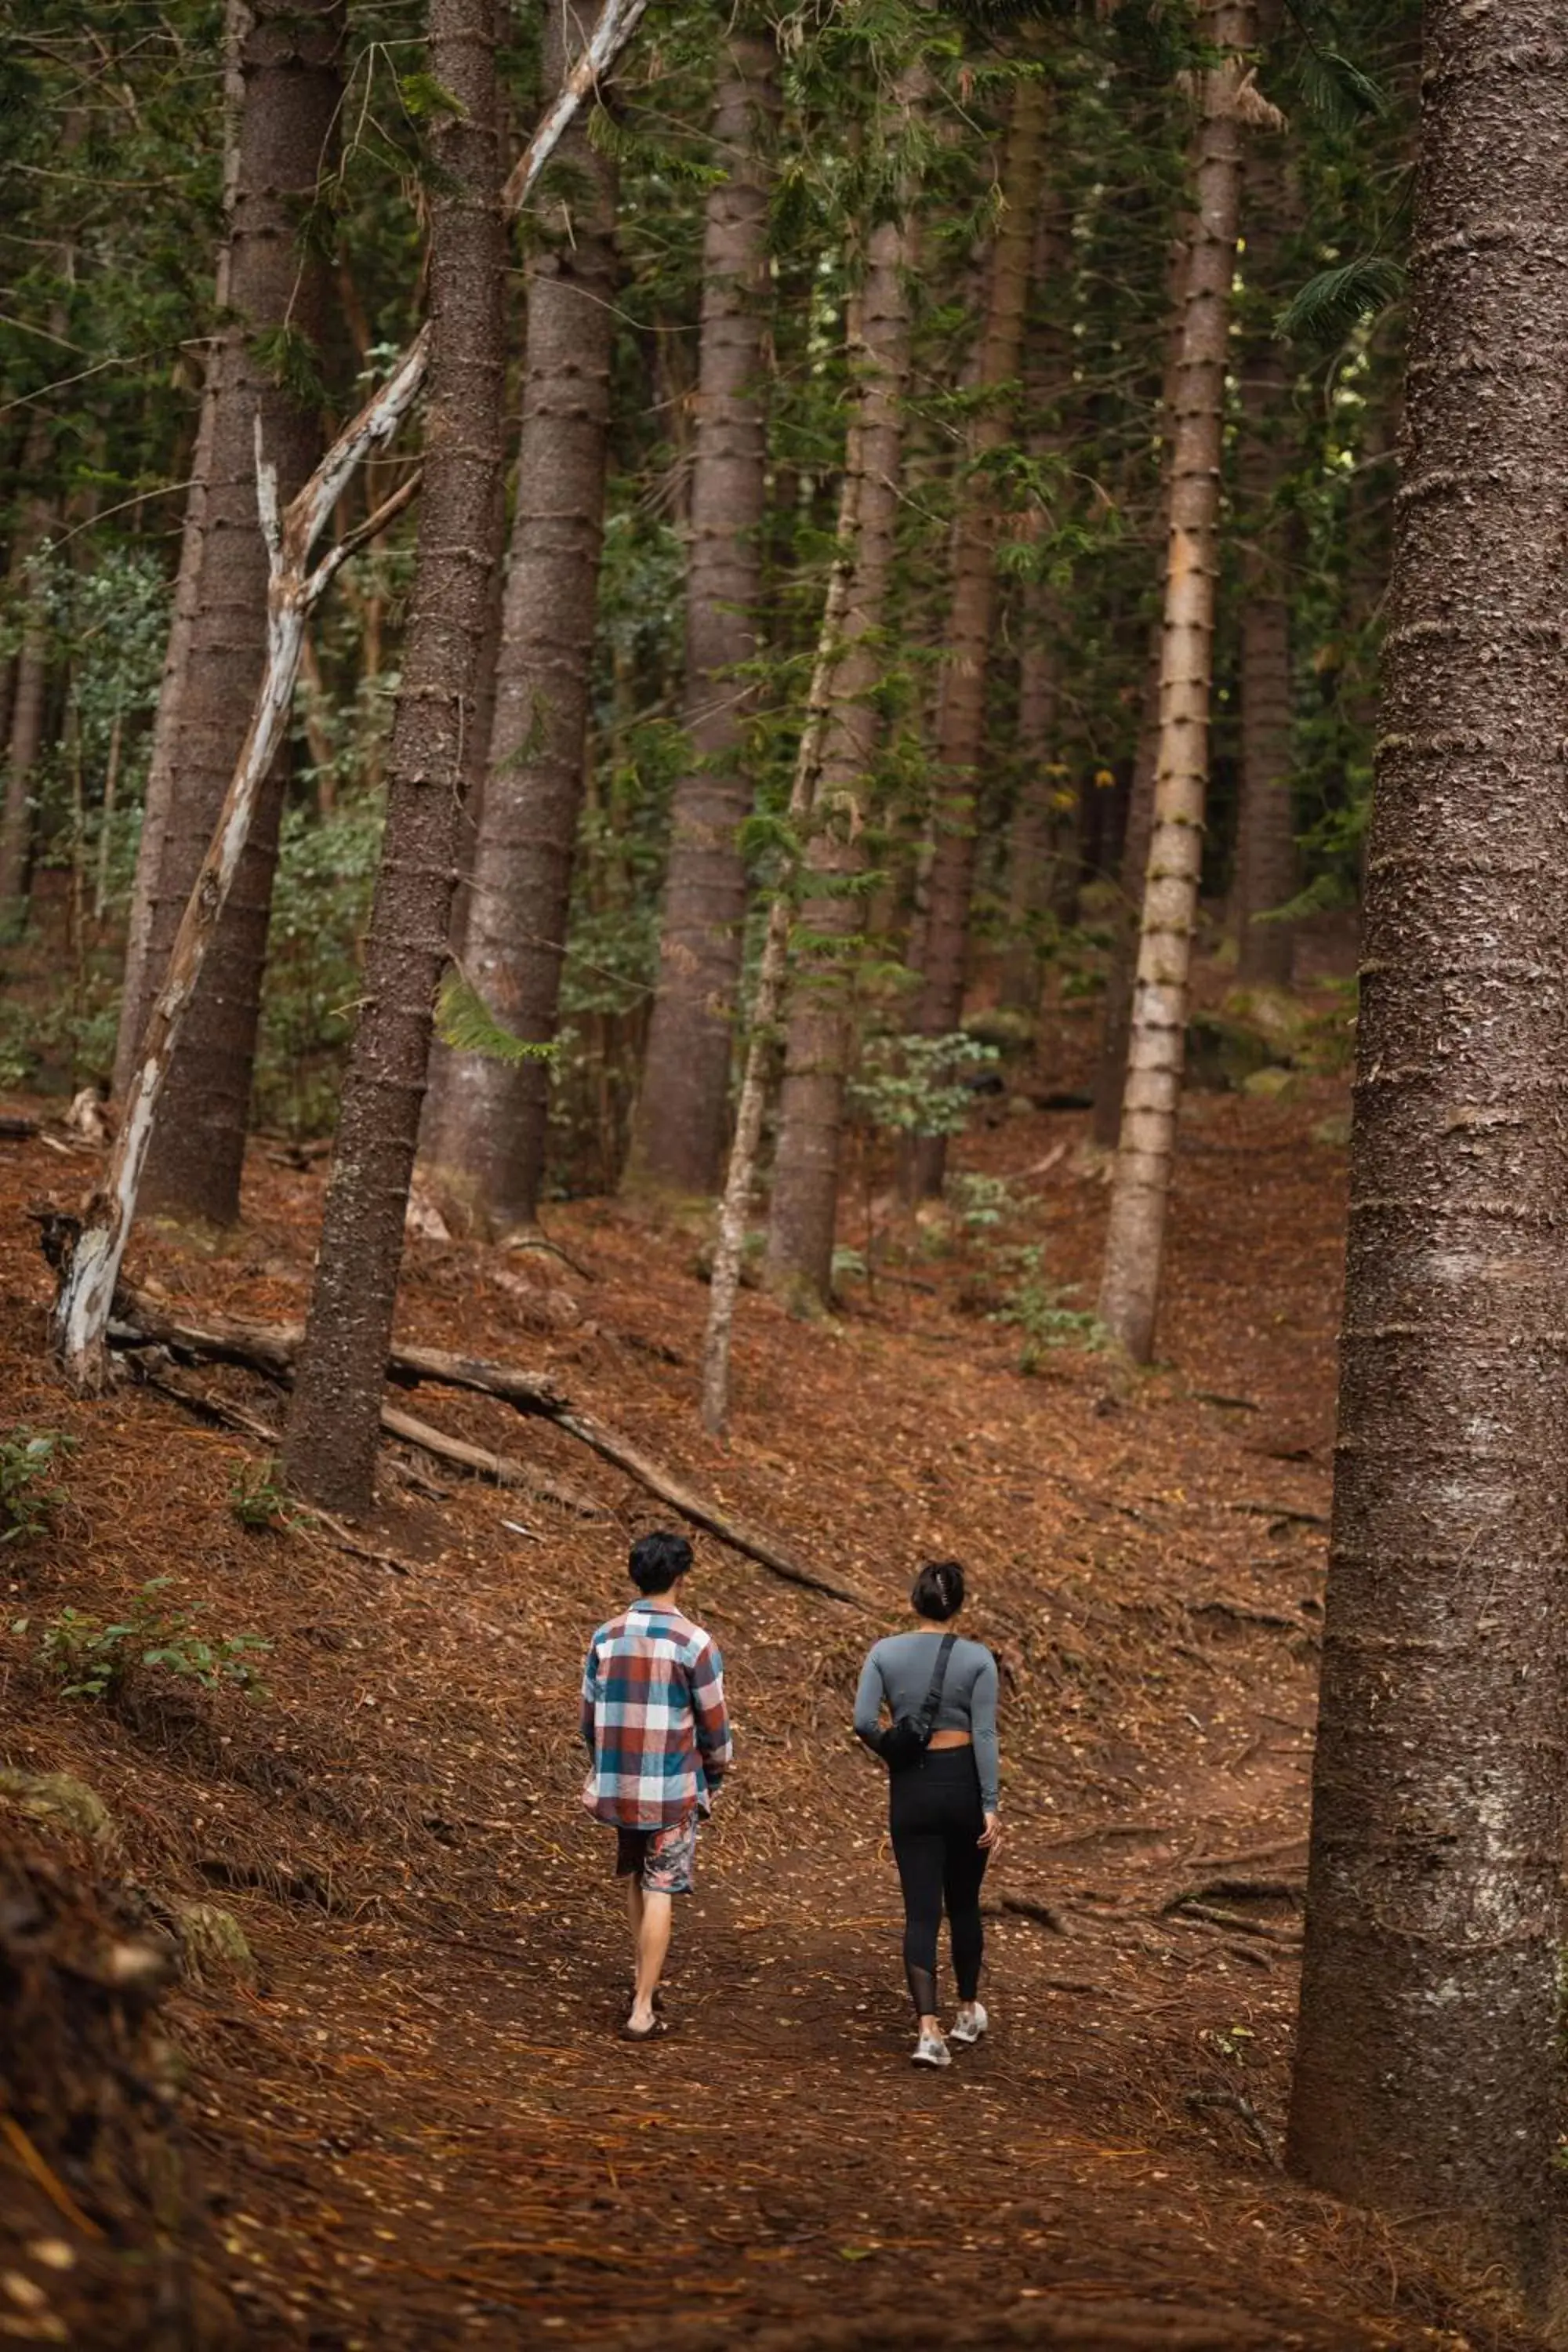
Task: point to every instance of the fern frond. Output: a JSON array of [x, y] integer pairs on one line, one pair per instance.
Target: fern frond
[[1334, 302], [465, 1022]]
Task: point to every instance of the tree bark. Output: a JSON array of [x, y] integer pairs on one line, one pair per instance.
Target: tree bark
[[730, 1241], [1116, 1014], [330, 1451], [1035, 836], [24, 743], [1429, 2066], [289, 68], [960, 712], [1134, 1244], [1266, 843], [682, 1111], [804, 1211], [137, 990], [487, 1124]]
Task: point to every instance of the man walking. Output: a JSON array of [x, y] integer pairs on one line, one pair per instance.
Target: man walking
[[658, 1735]]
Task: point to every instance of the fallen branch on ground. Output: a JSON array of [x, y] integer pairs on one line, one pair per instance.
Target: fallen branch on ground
[[1028, 1906], [1208, 1914], [229, 1415], [1238, 1610], [500, 1469], [1284, 1514], [1237, 2105], [13, 1128], [274, 1347]]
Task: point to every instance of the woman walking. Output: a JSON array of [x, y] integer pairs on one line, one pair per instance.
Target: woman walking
[[941, 1753]]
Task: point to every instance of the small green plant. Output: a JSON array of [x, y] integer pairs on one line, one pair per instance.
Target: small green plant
[[30, 1459], [256, 1499], [1039, 1310], [919, 1086], [981, 1201], [91, 1660]]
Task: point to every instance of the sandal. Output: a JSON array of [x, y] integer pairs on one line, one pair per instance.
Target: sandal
[[629, 2032]]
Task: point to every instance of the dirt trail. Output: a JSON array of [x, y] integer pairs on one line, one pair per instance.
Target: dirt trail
[[420, 2130]]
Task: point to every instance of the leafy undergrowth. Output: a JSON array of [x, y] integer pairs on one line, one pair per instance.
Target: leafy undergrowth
[[407, 2121]]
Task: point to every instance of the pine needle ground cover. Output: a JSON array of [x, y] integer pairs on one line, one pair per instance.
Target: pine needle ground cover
[[401, 2113]]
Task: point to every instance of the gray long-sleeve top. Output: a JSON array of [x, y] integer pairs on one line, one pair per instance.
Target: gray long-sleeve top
[[898, 1672]]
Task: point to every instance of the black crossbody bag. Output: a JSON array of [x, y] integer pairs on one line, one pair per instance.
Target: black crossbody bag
[[907, 1737]]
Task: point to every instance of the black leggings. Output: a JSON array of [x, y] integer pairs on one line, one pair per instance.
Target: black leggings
[[935, 1816]]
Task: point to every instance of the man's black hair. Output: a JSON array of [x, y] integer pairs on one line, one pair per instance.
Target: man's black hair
[[938, 1590], [659, 1559]]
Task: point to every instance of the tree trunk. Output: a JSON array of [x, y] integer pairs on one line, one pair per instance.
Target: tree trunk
[[1116, 1014], [289, 69], [1130, 1287], [729, 1243], [335, 1415], [961, 713], [1036, 838], [1428, 2073], [683, 1107], [1266, 843], [486, 1125], [803, 1214], [24, 742], [138, 989]]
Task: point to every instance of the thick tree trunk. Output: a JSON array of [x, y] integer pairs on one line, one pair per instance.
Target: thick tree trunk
[[138, 989], [1130, 1287], [1266, 845], [683, 1107], [329, 1452], [803, 1213], [960, 712], [289, 67], [1429, 2074], [486, 1125]]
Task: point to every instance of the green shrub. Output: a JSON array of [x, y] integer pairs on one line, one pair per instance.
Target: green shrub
[[29, 1460], [1039, 1310], [90, 1659]]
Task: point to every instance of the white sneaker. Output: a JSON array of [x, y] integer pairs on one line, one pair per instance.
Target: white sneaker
[[972, 2024], [932, 2050]]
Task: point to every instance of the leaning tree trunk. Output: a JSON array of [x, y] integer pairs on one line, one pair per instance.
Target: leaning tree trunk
[[803, 1213], [1429, 2074], [683, 1106], [1266, 843], [487, 1124], [1129, 1286], [960, 712], [288, 73], [335, 1415]]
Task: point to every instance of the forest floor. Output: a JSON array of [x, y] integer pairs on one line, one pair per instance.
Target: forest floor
[[417, 2127]]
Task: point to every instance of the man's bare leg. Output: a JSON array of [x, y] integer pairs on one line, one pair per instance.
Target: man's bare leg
[[652, 1916]]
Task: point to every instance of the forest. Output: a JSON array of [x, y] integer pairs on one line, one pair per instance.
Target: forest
[[810, 756]]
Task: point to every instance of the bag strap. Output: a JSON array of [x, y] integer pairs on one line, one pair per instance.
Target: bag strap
[[934, 1695]]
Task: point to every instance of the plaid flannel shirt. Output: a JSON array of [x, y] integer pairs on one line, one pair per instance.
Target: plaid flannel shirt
[[653, 1718]]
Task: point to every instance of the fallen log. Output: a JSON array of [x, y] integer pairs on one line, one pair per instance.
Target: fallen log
[[500, 1469], [274, 1347]]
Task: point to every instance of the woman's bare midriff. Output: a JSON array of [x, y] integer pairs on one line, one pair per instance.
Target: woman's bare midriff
[[952, 1740]]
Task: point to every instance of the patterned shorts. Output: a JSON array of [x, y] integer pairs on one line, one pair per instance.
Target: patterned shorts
[[660, 1860]]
